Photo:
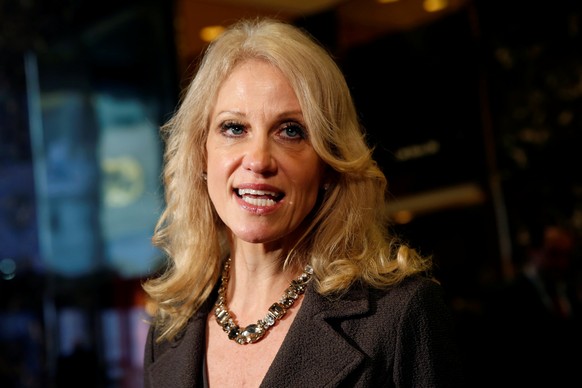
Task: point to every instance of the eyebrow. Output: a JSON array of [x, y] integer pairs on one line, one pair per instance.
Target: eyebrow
[[279, 116]]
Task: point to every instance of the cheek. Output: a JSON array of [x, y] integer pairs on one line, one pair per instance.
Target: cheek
[[211, 166], [220, 168], [216, 159], [217, 173], [312, 180]]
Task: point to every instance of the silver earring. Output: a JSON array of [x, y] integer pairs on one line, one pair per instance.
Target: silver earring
[[326, 186], [204, 176]]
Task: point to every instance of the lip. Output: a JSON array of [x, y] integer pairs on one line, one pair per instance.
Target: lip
[[267, 198]]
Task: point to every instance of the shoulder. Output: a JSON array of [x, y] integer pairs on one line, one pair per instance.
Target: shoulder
[[412, 294], [410, 311], [412, 286], [415, 299], [402, 329]]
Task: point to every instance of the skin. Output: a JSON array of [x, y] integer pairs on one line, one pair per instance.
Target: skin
[[258, 142]]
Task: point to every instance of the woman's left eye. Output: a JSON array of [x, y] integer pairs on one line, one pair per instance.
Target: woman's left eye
[[293, 130]]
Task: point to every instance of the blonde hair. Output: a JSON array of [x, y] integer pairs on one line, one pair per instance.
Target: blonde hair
[[347, 238]]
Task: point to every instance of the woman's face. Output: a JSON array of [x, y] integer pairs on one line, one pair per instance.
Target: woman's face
[[263, 173]]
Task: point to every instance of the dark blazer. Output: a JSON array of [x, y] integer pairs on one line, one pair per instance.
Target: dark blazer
[[400, 337]]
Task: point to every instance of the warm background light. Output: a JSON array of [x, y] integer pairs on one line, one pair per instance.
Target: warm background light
[[209, 33], [435, 5]]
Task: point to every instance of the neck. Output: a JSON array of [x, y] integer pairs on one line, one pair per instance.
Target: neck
[[230, 321], [254, 285]]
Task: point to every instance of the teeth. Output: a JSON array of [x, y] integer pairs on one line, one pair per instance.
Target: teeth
[[244, 193], [259, 201], [256, 192]]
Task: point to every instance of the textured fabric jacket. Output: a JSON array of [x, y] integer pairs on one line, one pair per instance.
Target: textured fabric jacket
[[400, 337]]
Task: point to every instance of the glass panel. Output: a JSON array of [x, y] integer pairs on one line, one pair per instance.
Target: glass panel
[[80, 195]]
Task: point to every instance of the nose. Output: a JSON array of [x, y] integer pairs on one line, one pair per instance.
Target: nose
[[258, 156]]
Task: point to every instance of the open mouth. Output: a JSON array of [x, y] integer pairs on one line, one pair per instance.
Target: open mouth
[[259, 197]]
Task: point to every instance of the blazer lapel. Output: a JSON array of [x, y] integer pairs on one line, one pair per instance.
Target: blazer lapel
[[314, 353]]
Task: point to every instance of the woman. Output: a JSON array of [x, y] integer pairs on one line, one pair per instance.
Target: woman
[[281, 270]]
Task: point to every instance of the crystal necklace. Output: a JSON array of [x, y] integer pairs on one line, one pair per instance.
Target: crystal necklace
[[254, 332]]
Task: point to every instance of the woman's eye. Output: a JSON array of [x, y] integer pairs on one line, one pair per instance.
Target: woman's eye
[[292, 130], [232, 128]]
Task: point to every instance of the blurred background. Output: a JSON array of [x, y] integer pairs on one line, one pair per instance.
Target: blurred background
[[474, 108]]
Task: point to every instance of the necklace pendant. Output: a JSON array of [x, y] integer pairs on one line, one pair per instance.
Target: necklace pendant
[[250, 334]]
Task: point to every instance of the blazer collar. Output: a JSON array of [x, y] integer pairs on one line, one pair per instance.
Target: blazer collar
[[314, 353]]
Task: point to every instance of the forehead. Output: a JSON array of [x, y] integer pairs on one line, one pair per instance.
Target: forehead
[[253, 81], [254, 69]]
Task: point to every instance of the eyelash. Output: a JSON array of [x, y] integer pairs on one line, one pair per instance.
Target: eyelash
[[228, 127], [298, 129], [231, 125]]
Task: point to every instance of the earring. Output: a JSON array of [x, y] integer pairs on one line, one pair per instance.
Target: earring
[[326, 186], [204, 176]]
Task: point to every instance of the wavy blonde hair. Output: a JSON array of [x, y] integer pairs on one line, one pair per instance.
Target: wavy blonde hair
[[347, 238]]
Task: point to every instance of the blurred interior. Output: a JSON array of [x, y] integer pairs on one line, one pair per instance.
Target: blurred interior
[[474, 108]]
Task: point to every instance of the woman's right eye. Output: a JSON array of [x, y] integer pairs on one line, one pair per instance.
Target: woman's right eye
[[232, 128]]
